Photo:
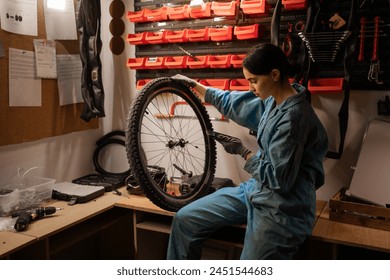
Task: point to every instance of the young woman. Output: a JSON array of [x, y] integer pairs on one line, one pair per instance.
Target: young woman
[[278, 203]]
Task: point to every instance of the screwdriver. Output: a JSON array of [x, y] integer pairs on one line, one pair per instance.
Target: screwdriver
[[27, 216]]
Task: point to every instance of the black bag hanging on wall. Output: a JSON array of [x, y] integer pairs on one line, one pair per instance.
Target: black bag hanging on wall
[[88, 25]]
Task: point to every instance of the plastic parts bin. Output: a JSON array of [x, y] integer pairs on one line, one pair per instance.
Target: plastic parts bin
[[158, 37], [196, 12], [239, 84], [294, 4], [221, 33], [137, 39], [176, 61], [156, 62], [219, 61], [159, 14], [29, 192], [136, 63], [176, 36], [247, 32], [141, 83], [224, 8], [216, 83], [236, 60], [197, 62], [198, 35], [253, 6], [326, 85], [178, 13], [138, 16]]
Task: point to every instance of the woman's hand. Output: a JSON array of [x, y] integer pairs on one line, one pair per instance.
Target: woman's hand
[[199, 88], [231, 144]]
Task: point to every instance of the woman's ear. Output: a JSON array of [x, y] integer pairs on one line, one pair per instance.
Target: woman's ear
[[275, 74]]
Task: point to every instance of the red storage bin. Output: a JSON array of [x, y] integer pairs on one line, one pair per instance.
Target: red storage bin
[[224, 8], [294, 4], [253, 6], [326, 85], [136, 63], [218, 61], [236, 60], [216, 83], [138, 16], [239, 84], [204, 12], [159, 14], [221, 34], [182, 12], [158, 37], [197, 62], [156, 62], [176, 36], [176, 61], [198, 35], [141, 83], [137, 39], [247, 32]]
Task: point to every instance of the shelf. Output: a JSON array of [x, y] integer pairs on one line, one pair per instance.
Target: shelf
[[153, 225]]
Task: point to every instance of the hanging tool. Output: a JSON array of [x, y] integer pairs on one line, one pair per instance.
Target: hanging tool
[[287, 46], [27, 216], [374, 71], [363, 21]]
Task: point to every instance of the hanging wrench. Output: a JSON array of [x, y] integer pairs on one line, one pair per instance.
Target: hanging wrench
[[373, 73], [362, 38]]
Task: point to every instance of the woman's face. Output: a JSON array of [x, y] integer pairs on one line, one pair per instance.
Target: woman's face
[[261, 85]]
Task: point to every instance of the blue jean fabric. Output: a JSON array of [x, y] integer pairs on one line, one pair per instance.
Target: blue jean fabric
[[264, 239]]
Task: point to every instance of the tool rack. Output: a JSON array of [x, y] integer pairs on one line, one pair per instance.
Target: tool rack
[[210, 43]]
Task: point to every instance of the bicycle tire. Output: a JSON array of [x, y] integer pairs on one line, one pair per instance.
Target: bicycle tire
[[176, 149]]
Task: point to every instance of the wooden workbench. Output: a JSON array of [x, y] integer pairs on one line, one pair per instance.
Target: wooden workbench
[[131, 226]]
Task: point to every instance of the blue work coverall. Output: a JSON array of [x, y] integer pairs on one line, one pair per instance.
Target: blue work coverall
[[278, 203]]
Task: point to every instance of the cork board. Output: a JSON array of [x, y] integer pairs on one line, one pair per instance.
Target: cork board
[[23, 124]]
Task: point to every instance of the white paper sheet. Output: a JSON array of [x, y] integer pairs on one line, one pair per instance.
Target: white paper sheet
[[19, 16], [45, 58], [60, 20], [24, 88], [69, 70]]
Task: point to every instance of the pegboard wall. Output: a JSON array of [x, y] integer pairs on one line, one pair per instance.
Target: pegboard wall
[[210, 41]]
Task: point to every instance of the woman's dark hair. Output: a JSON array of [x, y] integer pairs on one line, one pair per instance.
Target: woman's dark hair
[[262, 58]]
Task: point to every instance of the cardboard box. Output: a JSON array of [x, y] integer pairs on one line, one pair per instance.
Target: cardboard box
[[350, 210]]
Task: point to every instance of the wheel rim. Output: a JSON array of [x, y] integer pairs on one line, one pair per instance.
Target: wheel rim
[[171, 135]]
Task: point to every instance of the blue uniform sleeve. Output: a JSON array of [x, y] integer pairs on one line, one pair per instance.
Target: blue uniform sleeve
[[278, 167], [242, 107]]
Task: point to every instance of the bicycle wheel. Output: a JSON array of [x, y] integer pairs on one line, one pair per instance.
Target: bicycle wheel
[[167, 130]]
